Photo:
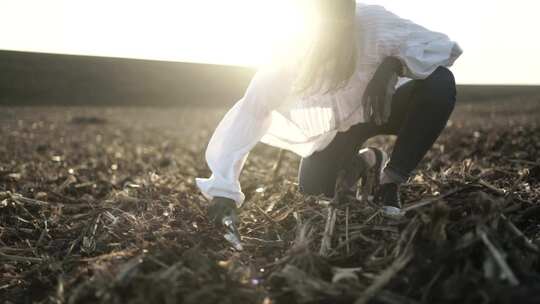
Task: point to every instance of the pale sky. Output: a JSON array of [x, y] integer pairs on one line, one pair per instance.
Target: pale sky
[[499, 37]]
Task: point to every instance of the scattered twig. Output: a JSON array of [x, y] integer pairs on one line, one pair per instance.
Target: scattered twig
[[427, 289], [523, 161], [17, 258], [384, 278], [347, 239], [492, 187], [326, 242], [499, 258], [25, 200], [526, 241], [428, 201], [278, 164]]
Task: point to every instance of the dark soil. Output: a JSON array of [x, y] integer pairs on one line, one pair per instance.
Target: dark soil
[[98, 205]]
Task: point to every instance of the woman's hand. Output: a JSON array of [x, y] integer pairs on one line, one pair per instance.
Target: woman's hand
[[377, 99], [222, 212], [220, 208]]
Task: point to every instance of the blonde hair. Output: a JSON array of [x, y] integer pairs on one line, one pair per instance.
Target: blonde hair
[[330, 58]]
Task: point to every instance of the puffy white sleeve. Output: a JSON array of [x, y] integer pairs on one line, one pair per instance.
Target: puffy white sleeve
[[421, 50], [237, 133]]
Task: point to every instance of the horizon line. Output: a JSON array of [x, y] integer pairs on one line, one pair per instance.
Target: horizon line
[[239, 65]]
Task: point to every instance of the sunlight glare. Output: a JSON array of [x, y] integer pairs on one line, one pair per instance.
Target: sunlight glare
[[276, 28], [244, 32], [249, 32]]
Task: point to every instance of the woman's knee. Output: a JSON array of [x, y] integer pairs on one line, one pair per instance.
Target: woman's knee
[[307, 187], [311, 185], [312, 181], [441, 88]]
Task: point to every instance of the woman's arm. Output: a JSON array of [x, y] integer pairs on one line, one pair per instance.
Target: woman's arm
[[400, 48], [420, 50], [377, 98], [238, 132]]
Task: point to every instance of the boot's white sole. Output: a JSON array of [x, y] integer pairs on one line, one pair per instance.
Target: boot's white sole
[[392, 212]]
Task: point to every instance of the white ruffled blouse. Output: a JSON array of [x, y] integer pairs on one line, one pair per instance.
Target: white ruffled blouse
[[270, 113]]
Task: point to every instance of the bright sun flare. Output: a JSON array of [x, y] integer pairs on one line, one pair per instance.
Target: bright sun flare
[[246, 31], [242, 32]]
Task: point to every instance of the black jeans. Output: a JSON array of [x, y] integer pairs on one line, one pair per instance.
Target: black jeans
[[419, 113]]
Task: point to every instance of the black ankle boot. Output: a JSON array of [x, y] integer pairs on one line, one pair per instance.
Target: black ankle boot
[[359, 169], [388, 198]]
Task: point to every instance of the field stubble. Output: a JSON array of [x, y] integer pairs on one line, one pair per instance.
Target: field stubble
[[99, 205]]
